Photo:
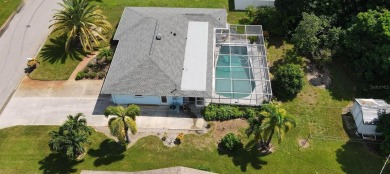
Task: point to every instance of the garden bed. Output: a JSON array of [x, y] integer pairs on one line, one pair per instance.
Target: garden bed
[[98, 67]]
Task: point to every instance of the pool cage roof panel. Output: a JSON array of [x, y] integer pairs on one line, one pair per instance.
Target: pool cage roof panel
[[241, 74]]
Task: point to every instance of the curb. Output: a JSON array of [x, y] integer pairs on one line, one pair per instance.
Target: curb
[[5, 26]]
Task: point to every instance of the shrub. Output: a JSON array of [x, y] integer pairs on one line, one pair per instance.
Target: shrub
[[230, 142], [80, 75], [179, 139], [203, 167], [253, 39], [92, 75], [101, 75], [86, 70], [109, 59], [90, 65], [250, 112], [222, 112], [288, 80]]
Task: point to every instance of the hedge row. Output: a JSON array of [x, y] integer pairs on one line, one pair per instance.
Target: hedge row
[[226, 112]]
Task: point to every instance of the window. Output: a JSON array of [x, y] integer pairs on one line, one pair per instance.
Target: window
[[163, 99], [199, 101]]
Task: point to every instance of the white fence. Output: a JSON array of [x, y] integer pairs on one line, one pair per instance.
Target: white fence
[[243, 4]]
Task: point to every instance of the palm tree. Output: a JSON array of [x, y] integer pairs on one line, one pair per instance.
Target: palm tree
[[74, 123], [124, 120], [272, 119], [81, 23], [105, 53], [69, 140], [276, 120], [255, 129]]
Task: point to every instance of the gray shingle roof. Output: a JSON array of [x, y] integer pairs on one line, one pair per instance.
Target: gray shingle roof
[[143, 65]]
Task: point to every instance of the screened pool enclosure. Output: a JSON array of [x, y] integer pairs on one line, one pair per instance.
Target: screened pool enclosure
[[241, 74]]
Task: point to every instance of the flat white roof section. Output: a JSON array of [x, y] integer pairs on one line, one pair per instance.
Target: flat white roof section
[[195, 57]]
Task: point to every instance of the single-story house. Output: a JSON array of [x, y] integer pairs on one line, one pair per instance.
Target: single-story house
[[366, 114], [167, 56]]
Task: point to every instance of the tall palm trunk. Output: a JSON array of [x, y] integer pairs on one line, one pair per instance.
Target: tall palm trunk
[[269, 138], [126, 130], [262, 143]]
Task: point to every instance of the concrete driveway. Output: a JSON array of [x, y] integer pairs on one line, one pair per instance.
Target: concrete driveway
[[27, 31], [49, 102]]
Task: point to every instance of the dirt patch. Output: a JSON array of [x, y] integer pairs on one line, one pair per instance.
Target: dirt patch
[[220, 129], [303, 143], [318, 78]]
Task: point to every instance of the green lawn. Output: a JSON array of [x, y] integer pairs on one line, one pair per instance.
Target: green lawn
[[54, 63], [24, 149], [6, 9]]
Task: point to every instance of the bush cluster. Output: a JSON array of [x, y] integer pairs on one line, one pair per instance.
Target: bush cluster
[[226, 112], [80, 75], [288, 81], [230, 142], [92, 75], [101, 75]]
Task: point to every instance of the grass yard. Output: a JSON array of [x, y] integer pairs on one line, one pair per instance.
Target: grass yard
[[6, 9], [54, 63], [25, 150]]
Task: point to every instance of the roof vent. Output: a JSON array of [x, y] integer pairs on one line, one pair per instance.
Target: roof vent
[[159, 36]]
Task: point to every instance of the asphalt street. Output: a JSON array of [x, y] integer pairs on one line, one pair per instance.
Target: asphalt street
[[26, 33]]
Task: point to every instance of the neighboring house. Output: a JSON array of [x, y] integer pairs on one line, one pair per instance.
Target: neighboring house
[[166, 56], [243, 4], [366, 114]]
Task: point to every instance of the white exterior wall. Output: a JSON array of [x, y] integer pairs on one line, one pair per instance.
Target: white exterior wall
[[243, 4], [146, 100], [358, 117]]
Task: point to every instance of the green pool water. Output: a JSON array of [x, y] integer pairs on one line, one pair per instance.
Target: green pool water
[[238, 60]]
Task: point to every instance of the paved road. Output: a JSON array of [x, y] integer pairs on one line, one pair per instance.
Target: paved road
[[26, 32]]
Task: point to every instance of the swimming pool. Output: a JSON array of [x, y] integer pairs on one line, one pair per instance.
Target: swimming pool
[[232, 75]]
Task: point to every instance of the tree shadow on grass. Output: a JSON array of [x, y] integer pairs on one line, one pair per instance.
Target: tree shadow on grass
[[356, 158], [244, 156], [231, 5], [55, 163], [109, 151], [55, 51], [343, 86], [275, 41], [280, 94]]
